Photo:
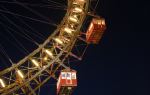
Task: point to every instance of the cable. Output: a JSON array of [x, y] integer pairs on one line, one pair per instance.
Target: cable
[[96, 5], [26, 51], [33, 11], [6, 55], [32, 40], [3, 61], [33, 19], [40, 36], [28, 4], [56, 2]]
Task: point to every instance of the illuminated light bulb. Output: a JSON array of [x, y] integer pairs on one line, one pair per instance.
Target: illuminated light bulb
[[68, 30], [100, 22], [20, 73], [103, 22], [35, 62], [81, 0], [2, 83], [78, 1], [75, 16], [73, 19], [66, 39], [44, 66], [58, 41], [72, 26], [76, 9], [45, 58], [49, 53], [74, 2]]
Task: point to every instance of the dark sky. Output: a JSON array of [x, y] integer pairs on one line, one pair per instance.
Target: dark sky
[[120, 64]]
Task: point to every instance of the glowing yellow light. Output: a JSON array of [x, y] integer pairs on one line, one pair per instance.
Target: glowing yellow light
[[103, 22], [81, 0], [35, 62], [73, 19], [44, 66], [20, 73], [58, 41], [45, 58], [66, 39], [68, 30], [78, 1], [99, 22], [49, 53], [76, 9], [2, 83]]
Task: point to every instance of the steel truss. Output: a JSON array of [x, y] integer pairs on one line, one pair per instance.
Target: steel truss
[[29, 74]]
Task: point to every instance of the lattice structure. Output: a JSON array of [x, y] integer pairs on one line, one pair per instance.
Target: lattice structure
[[29, 74]]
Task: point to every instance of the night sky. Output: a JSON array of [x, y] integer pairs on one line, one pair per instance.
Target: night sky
[[120, 64]]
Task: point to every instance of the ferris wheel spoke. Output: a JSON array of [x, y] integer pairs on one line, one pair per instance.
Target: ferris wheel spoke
[[22, 49], [36, 33], [33, 11], [25, 51], [20, 30], [30, 18], [52, 1], [36, 5], [5, 54], [3, 60], [57, 8]]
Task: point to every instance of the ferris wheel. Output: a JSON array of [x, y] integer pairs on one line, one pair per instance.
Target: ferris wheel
[[50, 61]]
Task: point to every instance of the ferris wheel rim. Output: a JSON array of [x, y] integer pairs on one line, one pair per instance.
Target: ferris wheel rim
[[32, 53], [43, 45]]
